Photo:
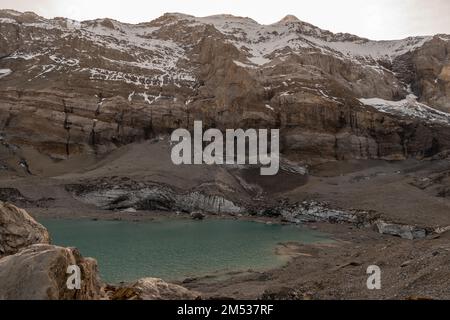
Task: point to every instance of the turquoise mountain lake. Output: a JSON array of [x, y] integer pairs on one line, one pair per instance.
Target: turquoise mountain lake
[[175, 249]]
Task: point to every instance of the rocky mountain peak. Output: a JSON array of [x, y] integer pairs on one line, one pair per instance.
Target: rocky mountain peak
[[289, 19], [175, 16], [229, 18], [20, 17]]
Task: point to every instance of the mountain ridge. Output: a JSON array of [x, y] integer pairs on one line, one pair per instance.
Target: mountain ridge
[[289, 18], [99, 84]]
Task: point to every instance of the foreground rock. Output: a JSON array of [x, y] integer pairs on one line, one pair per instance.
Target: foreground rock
[[32, 269], [39, 273], [154, 289], [18, 230]]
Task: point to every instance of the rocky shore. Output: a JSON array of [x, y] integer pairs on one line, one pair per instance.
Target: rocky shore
[[33, 269], [360, 239], [411, 270]]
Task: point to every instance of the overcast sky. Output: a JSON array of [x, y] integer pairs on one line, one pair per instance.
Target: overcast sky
[[375, 19]]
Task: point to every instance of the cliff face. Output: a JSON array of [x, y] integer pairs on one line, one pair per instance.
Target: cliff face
[[72, 87], [431, 72]]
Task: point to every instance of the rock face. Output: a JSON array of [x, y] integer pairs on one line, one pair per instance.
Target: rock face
[[310, 211], [39, 273], [154, 289], [18, 230], [403, 231], [125, 83], [150, 196], [430, 72]]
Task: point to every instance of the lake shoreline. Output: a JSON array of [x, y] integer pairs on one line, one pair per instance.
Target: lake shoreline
[[332, 270], [141, 216], [283, 250]]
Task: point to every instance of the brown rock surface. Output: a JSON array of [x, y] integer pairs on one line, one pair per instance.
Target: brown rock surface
[[19, 230], [153, 289], [78, 98], [431, 64], [125, 83], [39, 273]]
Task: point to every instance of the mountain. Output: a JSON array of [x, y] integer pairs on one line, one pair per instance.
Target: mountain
[[70, 87], [85, 113]]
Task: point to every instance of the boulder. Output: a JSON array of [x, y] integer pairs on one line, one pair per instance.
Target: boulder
[[18, 230], [197, 215], [399, 230], [153, 289], [39, 272]]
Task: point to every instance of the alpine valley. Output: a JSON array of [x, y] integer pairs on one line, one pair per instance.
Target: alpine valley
[[86, 113]]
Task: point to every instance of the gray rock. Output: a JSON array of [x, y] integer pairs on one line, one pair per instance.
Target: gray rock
[[152, 197], [403, 231], [316, 212]]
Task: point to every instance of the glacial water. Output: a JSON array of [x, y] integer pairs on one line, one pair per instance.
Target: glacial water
[[175, 249]]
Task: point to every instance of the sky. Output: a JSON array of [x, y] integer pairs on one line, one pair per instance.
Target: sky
[[373, 19]]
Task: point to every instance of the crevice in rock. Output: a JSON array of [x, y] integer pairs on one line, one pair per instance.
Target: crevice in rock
[[67, 126]]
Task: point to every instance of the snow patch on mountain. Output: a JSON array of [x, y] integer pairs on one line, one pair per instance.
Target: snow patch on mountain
[[268, 106], [377, 50], [409, 107], [243, 65], [156, 57], [5, 72], [7, 20], [263, 41], [149, 51]]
